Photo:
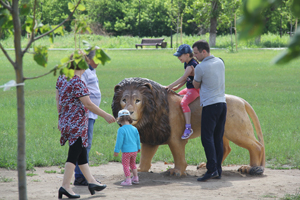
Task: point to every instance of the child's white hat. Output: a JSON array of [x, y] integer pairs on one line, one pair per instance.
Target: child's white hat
[[123, 112]]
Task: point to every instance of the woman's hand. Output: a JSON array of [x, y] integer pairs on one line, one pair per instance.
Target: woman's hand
[[109, 118], [116, 154]]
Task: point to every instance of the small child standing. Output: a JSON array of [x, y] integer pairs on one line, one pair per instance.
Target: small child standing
[[185, 55], [128, 141]]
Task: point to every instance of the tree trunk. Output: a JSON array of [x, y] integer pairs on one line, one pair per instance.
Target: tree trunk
[[258, 40], [181, 29], [20, 103], [213, 32], [235, 30]]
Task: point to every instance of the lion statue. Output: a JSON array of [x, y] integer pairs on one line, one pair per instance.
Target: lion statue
[[158, 116]]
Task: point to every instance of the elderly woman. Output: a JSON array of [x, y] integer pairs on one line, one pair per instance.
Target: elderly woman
[[73, 104]]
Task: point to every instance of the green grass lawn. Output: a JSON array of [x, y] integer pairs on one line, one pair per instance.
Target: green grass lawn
[[273, 91]]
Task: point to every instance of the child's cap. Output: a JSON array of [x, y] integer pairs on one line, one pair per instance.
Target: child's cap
[[183, 49], [123, 113]]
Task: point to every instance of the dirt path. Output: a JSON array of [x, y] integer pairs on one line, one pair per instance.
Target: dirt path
[[156, 184]]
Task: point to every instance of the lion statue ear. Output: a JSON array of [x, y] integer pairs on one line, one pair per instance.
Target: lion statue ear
[[148, 85], [116, 87]]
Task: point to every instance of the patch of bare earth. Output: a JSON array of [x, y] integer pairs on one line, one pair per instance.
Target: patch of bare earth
[[157, 184]]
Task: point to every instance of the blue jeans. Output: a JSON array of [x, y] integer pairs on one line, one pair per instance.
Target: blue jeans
[[212, 132], [78, 173]]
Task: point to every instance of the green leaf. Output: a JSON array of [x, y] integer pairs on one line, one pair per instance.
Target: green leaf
[[77, 60], [59, 66], [70, 73], [51, 37], [295, 8], [101, 57], [64, 60], [292, 52], [81, 7], [71, 7], [29, 24], [251, 24], [59, 30], [24, 9], [41, 55], [3, 20], [64, 71], [45, 28], [82, 64], [88, 29]]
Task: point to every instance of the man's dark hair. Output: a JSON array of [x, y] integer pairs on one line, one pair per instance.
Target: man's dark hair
[[202, 45]]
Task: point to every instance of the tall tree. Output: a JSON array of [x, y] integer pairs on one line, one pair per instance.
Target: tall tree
[[12, 17], [10, 13], [212, 15], [252, 24]]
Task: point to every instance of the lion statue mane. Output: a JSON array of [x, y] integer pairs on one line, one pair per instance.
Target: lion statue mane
[[154, 127], [158, 116]]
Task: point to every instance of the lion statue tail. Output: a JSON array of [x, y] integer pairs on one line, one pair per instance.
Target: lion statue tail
[[257, 126]]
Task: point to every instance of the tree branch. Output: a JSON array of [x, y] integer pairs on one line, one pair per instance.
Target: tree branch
[[59, 24], [29, 78], [7, 56], [32, 31], [6, 6]]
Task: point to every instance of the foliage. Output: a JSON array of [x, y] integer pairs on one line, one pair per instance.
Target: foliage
[[54, 12], [202, 12], [155, 18], [253, 21]]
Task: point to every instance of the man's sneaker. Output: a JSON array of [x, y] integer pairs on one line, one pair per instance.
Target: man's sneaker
[[81, 182], [187, 133], [135, 180], [208, 176], [126, 182]]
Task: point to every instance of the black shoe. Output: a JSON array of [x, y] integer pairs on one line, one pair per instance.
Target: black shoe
[[218, 177], [81, 182], [93, 187], [62, 191], [208, 176]]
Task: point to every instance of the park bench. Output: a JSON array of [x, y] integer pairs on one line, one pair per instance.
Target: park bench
[[151, 42]]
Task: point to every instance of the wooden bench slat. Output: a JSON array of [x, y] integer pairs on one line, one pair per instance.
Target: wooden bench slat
[[150, 42]]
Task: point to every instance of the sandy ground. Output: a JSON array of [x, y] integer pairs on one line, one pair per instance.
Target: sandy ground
[[156, 184]]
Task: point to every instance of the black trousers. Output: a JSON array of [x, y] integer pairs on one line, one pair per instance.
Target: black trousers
[[212, 131], [77, 153]]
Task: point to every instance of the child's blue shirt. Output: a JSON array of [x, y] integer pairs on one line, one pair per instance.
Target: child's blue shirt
[[128, 139]]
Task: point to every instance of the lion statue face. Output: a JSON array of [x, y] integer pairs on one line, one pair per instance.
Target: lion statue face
[[132, 100], [147, 102]]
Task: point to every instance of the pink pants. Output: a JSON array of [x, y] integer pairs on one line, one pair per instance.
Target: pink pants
[[128, 159], [189, 96]]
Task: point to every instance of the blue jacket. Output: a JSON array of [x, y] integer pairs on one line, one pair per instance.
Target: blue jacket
[[128, 139]]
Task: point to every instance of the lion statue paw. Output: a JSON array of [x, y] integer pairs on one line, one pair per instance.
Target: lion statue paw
[[175, 172], [201, 165], [256, 170]]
